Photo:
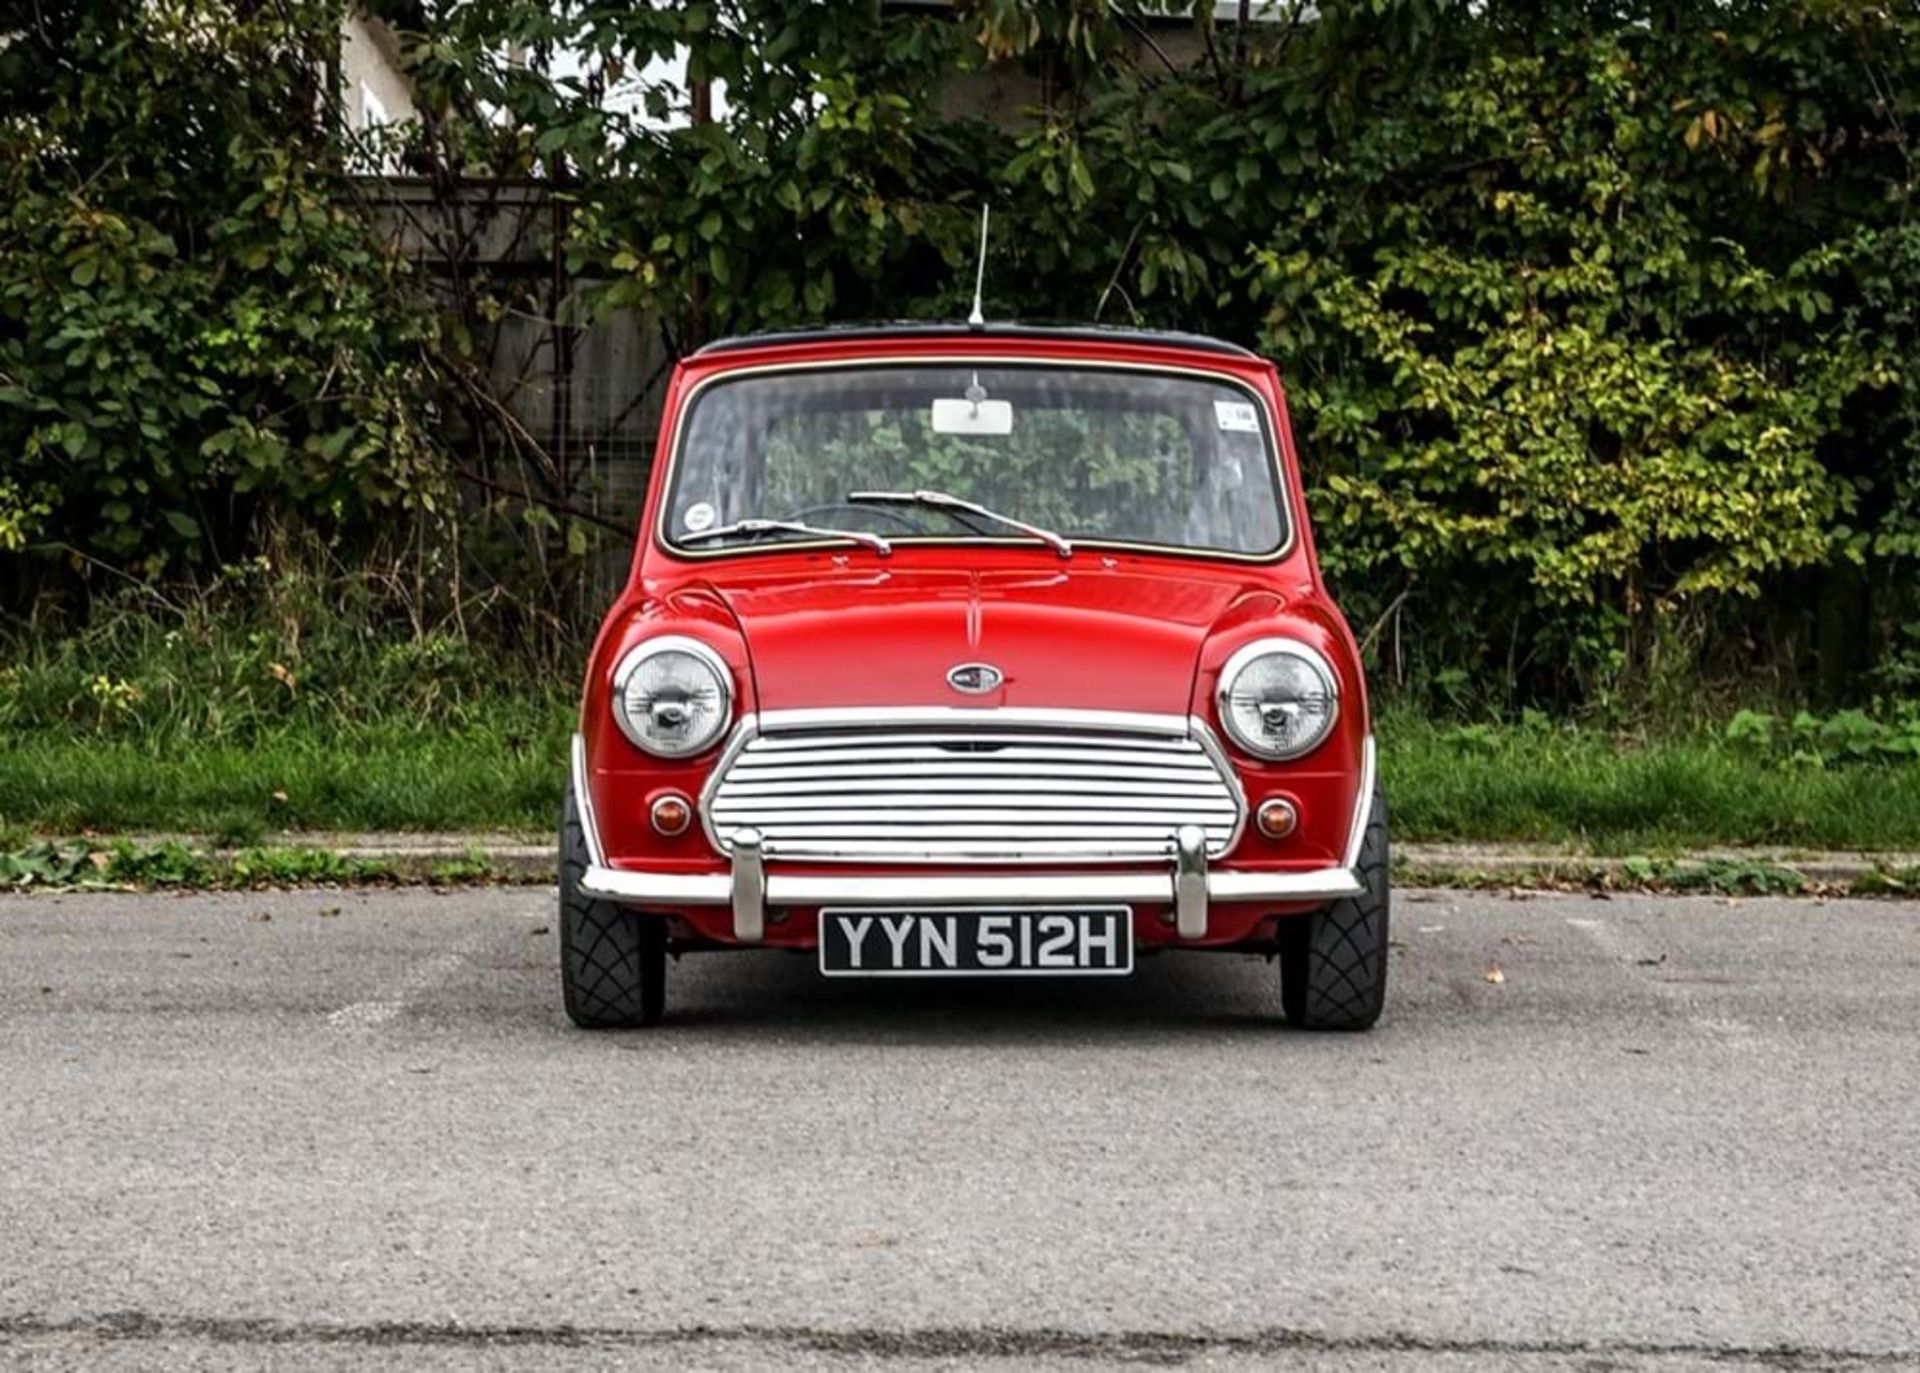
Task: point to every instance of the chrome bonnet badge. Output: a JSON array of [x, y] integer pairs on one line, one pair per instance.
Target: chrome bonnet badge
[[974, 679]]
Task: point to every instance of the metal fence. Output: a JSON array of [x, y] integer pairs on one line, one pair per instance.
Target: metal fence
[[562, 402]]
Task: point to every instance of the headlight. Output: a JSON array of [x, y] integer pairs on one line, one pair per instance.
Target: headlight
[[672, 696], [1278, 698]]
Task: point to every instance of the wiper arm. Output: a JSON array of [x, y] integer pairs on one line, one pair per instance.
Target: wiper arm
[[860, 536], [940, 500]]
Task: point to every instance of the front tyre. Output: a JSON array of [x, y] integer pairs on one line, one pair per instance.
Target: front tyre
[[1333, 963], [613, 961]]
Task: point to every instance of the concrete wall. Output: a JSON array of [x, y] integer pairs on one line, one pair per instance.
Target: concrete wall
[[373, 87]]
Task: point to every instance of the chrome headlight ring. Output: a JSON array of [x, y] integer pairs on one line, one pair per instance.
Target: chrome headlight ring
[[1289, 712], [672, 696]]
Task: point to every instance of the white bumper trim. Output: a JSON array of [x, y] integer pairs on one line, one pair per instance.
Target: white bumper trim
[[963, 889]]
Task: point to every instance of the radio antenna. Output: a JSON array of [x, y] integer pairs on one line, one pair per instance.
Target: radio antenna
[[978, 318]]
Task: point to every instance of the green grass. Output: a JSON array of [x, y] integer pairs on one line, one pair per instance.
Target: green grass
[[1468, 783], [276, 700], [303, 777], [1618, 797]]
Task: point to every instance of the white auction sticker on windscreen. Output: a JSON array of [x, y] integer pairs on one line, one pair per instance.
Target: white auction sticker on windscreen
[[1236, 416]]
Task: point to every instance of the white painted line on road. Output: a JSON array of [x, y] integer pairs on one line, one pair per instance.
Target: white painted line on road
[[362, 1015]]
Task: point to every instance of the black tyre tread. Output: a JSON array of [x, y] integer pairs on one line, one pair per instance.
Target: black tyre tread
[[1334, 966], [612, 961]]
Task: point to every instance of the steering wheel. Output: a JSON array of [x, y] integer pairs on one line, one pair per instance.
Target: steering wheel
[[899, 517]]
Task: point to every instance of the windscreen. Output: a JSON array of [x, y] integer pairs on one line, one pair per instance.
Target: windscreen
[[1104, 455]]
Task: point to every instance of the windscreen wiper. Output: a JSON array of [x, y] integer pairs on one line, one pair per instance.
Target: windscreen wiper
[[940, 500], [720, 531]]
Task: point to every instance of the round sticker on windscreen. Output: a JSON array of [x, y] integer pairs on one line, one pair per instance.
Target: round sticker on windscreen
[[699, 516]]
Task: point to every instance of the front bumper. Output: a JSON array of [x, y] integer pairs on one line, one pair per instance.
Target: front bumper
[[1186, 883]]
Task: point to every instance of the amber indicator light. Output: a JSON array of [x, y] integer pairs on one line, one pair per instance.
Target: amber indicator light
[[672, 814], [1277, 818]]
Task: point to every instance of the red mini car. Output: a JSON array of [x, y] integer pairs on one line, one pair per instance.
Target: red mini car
[[975, 651]]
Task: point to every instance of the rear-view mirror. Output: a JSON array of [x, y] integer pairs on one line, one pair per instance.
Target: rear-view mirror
[[961, 416]]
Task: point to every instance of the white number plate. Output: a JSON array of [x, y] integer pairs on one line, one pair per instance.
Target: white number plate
[[1009, 941]]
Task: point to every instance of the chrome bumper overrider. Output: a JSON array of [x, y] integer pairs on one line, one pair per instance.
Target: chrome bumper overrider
[[1186, 883]]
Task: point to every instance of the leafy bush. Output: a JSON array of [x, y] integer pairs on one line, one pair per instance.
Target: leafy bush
[[196, 323], [1599, 319], [1596, 318]]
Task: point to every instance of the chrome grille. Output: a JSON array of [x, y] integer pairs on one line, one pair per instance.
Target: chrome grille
[[974, 793]]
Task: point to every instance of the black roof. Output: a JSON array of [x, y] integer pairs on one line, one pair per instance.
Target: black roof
[[1089, 333]]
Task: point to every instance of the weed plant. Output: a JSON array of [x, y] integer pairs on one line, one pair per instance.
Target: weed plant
[[268, 701]]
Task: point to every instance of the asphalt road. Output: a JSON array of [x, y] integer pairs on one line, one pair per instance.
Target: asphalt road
[[329, 1130]]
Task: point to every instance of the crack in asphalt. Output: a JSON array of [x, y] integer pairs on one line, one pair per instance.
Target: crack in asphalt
[[932, 1342]]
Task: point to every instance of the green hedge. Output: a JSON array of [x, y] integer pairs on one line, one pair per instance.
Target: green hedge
[[196, 326], [1597, 318]]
